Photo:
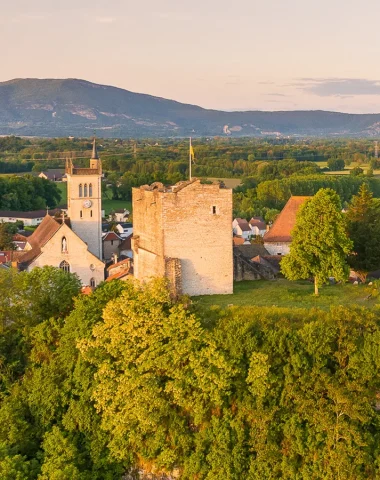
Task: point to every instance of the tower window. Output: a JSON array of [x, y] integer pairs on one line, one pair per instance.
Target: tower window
[[85, 190], [81, 214], [80, 190], [92, 282], [65, 266], [214, 210], [91, 213], [90, 190]]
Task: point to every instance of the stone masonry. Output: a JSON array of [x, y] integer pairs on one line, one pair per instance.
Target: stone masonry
[[184, 233]]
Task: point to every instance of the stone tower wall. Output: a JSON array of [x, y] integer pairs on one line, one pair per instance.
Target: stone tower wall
[[191, 223]]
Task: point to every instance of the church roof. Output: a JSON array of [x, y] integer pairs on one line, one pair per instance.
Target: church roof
[[43, 233], [285, 222]]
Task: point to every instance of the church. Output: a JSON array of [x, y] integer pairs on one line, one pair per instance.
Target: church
[[72, 243]]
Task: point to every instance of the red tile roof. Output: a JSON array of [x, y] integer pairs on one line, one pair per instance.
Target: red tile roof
[[258, 222], [243, 224], [125, 262], [43, 233], [111, 236], [283, 226], [238, 240]]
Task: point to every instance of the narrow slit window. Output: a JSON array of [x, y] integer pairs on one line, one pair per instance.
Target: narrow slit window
[[90, 190], [81, 190], [214, 210], [85, 190], [81, 214]]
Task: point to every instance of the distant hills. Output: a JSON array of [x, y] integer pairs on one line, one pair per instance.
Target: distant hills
[[78, 108]]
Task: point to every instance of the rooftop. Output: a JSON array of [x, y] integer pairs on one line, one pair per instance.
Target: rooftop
[[285, 222]]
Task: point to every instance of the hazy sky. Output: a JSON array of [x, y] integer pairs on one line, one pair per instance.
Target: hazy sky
[[241, 54]]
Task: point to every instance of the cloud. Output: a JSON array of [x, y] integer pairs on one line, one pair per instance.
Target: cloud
[[276, 95], [105, 19], [338, 87]]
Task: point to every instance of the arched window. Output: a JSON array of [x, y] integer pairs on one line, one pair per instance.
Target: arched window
[[65, 266], [80, 190], [90, 190], [64, 245], [85, 190], [92, 282]]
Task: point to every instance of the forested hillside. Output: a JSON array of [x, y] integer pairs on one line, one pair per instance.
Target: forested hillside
[[47, 107], [125, 380]]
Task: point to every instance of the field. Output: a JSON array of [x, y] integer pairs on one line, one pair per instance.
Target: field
[[229, 182], [283, 293], [346, 171], [107, 203]]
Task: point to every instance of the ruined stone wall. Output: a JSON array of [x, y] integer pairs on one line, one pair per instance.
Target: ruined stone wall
[[190, 224], [147, 241], [197, 220]]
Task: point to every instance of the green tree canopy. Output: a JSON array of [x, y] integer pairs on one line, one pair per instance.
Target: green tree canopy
[[320, 244]]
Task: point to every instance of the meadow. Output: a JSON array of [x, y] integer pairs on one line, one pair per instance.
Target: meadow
[[284, 293]]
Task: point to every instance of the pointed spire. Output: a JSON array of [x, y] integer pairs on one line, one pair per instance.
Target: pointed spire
[[94, 155]]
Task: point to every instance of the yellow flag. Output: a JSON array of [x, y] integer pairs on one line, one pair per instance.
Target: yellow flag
[[192, 153]]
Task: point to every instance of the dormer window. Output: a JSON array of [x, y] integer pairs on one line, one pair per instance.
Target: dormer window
[[81, 190]]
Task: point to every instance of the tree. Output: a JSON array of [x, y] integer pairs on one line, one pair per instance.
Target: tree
[[363, 226], [320, 243], [335, 164], [356, 171], [6, 238]]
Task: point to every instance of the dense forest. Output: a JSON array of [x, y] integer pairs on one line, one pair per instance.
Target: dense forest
[[126, 380]]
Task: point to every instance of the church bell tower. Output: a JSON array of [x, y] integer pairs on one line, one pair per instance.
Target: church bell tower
[[84, 200]]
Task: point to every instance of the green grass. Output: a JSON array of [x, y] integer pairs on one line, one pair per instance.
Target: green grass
[[283, 293], [108, 204]]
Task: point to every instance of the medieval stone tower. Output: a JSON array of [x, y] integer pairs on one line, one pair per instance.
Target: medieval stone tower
[[184, 233], [84, 198]]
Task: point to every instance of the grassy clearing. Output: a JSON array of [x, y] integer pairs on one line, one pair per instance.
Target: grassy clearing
[[346, 171], [229, 182], [107, 203], [283, 293]]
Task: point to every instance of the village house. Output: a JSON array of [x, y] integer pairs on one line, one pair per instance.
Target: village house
[[124, 229], [119, 216], [29, 219], [125, 248], [258, 226], [120, 270], [54, 174], [278, 239], [111, 244], [241, 228]]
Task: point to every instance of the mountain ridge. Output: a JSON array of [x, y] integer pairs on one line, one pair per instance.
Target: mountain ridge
[[71, 106]]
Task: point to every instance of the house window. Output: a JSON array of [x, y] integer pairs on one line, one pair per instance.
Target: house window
[[65, 266], [80, 190], [90, 190], [214, 210], [85, 190], [64, 245], [111, 242], [92, 282]]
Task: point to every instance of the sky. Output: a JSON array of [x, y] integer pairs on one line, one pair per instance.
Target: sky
[[222, 54]]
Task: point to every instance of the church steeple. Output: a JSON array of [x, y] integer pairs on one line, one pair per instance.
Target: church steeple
[[94, 155], [95, 160]]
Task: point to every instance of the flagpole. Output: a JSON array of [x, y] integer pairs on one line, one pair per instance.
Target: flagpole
[[190, 159]]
